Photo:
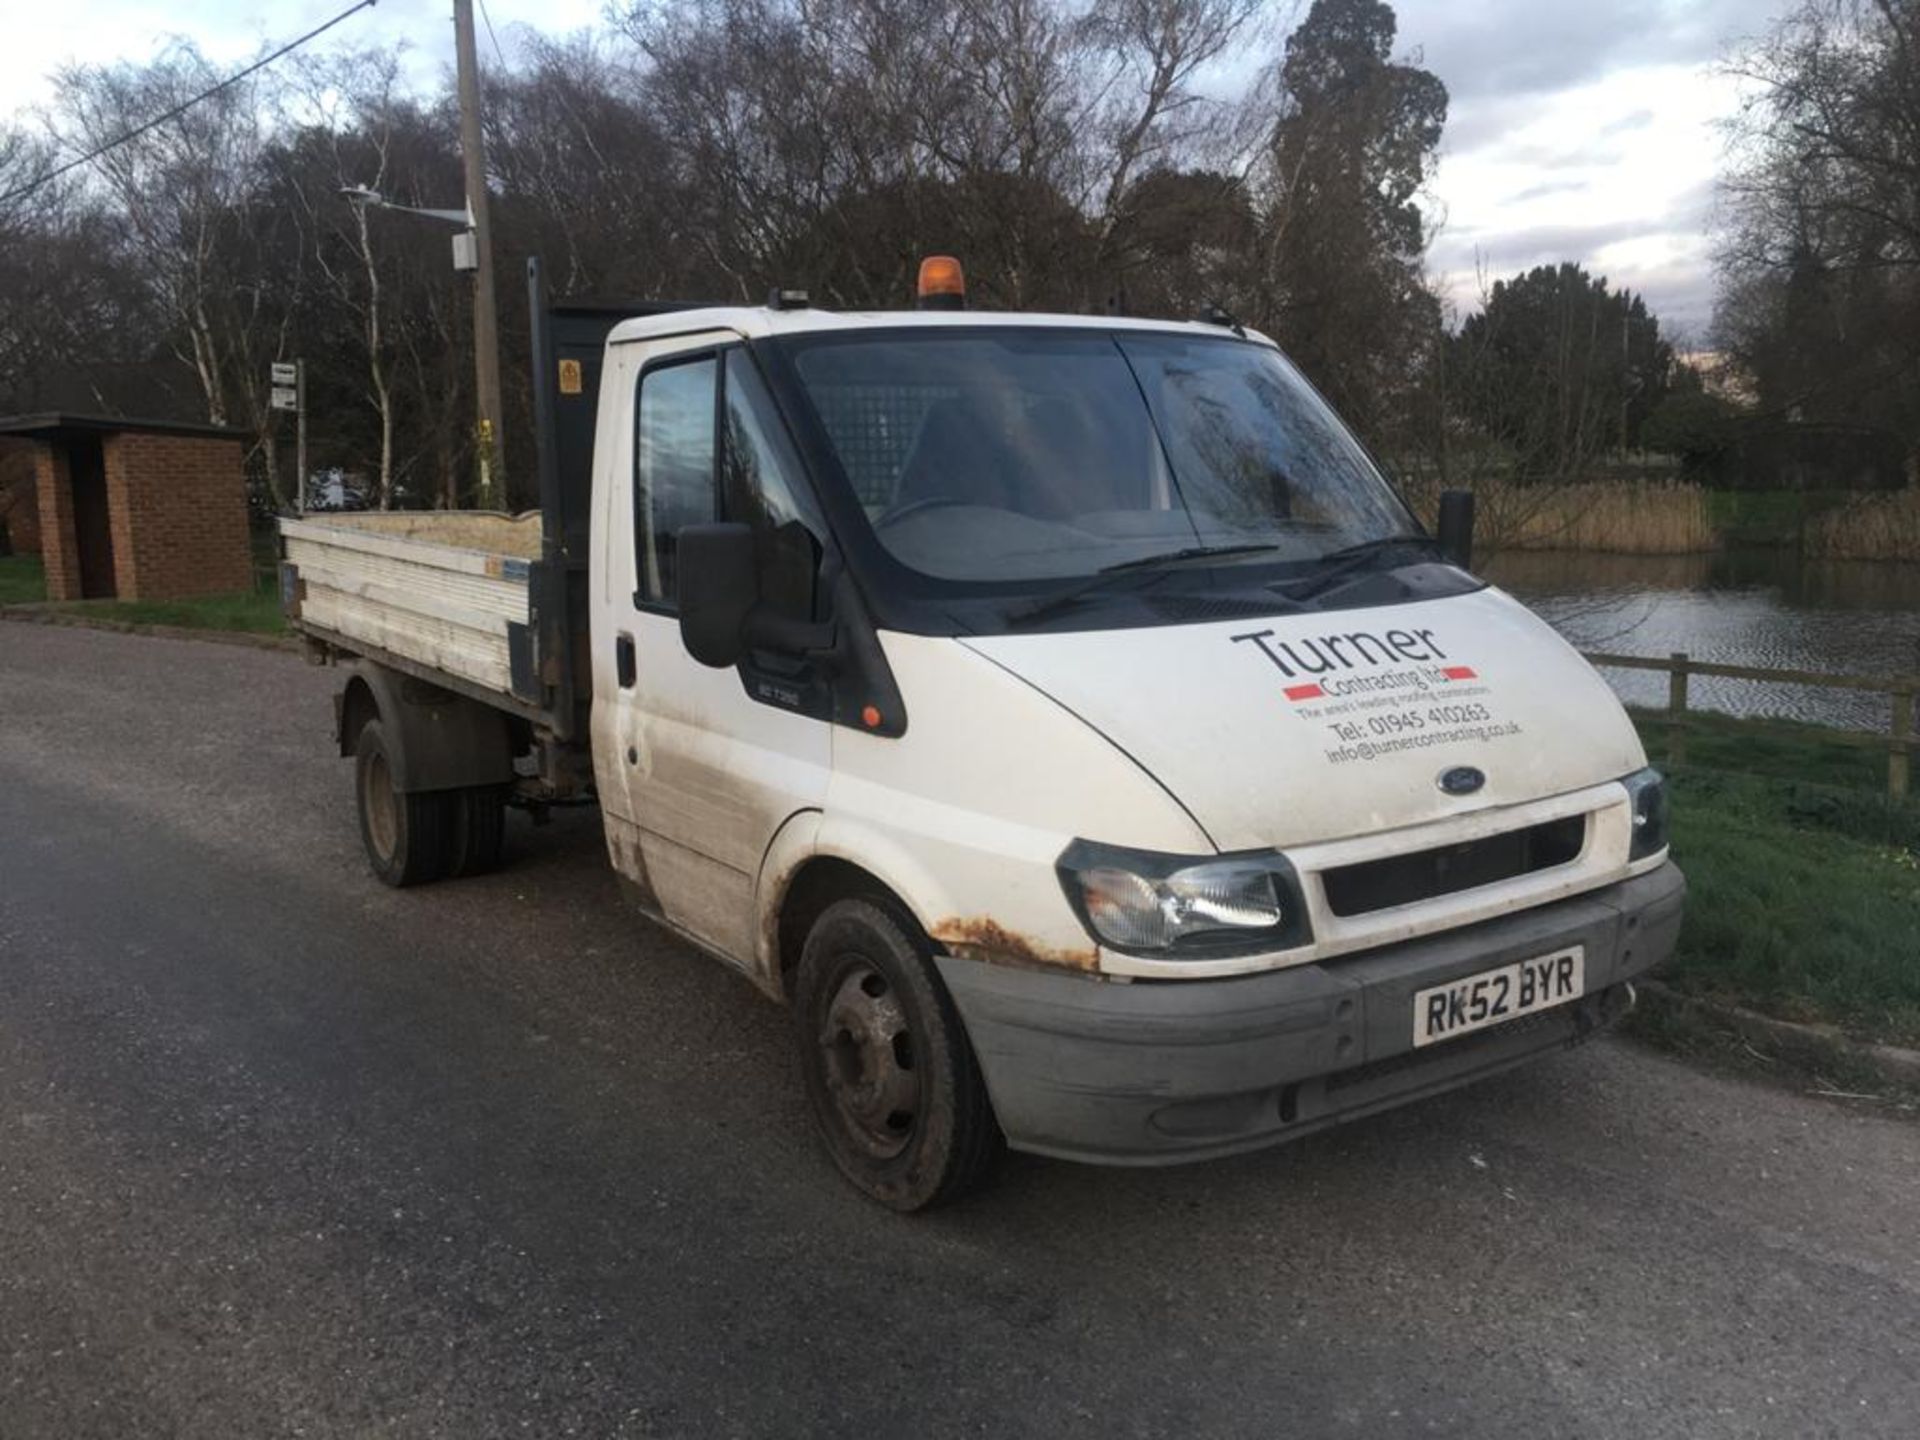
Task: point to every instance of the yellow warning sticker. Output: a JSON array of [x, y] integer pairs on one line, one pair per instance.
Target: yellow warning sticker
[[570, 382]]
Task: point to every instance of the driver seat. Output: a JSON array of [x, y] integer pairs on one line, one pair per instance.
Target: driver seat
[[958, 457]]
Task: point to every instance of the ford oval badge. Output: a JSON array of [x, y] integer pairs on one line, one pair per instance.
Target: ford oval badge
[[1462, 780]]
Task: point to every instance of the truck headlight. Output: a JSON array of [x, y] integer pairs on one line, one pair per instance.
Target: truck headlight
[[1647, 790], [1147, 903]]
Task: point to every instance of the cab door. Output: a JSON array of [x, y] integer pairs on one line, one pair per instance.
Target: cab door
[[710, 762]]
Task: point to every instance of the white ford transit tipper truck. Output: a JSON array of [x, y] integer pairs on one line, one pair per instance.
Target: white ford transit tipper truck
[[1061, 714]]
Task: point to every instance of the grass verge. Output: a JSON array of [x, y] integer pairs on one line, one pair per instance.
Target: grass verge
[[1814, 1063], [22, 581], [1805, 880], [252, 612]]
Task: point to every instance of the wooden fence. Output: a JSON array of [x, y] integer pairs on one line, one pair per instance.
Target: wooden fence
[[1679, 667]]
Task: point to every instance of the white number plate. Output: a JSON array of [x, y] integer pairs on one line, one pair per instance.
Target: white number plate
[[1477, 1001]]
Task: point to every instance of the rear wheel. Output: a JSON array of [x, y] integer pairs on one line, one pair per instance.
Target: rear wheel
[[477, 829], [891, 1078], [404, 834]]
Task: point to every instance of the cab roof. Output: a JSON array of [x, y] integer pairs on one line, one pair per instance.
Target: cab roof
[[758, 321]]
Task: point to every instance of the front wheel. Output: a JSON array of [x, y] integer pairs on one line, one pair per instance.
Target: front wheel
[[891, 1078]]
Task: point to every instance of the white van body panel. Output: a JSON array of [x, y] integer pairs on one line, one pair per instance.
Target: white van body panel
[[756, 322], [966, 814], [695, 779], [1304, 729]]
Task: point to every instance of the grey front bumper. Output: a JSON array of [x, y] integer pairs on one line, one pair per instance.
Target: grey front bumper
[[1156, 1072]]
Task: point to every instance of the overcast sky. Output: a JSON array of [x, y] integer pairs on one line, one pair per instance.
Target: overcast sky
[[1578, 131]]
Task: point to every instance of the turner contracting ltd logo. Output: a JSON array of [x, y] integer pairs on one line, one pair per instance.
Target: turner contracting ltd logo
[[1358, 662]]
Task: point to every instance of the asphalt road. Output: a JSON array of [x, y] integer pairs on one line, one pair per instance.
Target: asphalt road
[[286, 1153]]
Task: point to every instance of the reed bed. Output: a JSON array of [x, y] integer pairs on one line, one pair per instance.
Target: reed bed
[[1868, 527], [1626, 517]]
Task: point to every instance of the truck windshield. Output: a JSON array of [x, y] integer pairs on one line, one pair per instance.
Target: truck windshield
[[1031, 454]]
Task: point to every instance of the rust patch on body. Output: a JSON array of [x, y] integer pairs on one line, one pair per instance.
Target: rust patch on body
[[987, 939], [623, 843], [770, 965]]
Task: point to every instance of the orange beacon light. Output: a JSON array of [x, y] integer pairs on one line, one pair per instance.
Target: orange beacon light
[[942, 285]]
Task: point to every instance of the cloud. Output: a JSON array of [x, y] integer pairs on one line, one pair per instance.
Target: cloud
[[1563, 155], [1638, 120], [1679, 295], [1664, 253], [1509, 48], [1496, 120], [41, 39], [1580, 133], [1504, 252], [1687, 212], [1546, 188]]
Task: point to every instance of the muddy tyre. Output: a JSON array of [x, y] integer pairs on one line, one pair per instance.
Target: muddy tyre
[[405, 835], [477, 829], [891, 1078]]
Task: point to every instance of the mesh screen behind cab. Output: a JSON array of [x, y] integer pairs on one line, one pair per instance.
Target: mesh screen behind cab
[[873, 427]]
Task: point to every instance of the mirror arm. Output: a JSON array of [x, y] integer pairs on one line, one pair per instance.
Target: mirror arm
[[1456, 527], [767, 629]]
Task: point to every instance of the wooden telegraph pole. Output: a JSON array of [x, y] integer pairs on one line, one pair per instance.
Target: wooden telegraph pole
[[486, 320]]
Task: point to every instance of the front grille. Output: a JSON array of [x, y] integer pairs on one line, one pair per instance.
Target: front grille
[[1421, 875]]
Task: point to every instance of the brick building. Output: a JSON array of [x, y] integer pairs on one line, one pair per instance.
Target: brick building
[[138, 509], [19, 510]]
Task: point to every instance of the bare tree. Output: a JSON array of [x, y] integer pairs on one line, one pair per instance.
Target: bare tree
[[1077, 153], [67, 304], [1152, 114], [1820, 245], [177, 187], [350, 130], [586, 176]]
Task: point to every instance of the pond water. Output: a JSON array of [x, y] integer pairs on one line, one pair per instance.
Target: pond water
[[1739, 607]]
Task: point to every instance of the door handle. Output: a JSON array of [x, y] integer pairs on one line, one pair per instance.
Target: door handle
[[623, 663]]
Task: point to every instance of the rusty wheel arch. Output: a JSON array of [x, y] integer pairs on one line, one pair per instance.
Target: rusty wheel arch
[[818, 883]]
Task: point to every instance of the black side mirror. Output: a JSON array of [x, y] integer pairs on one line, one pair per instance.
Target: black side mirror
[[721, 614], [718, 587], [1456, 527]]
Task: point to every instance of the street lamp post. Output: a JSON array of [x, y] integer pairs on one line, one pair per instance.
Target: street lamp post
[[361, 195], [469, 253]]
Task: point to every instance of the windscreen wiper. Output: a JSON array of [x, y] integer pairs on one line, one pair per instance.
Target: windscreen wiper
[[1189, 552], [1335, 564], [1059, 600]]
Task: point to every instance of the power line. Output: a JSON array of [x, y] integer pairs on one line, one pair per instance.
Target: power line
[[184, 106], [498, 53]]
